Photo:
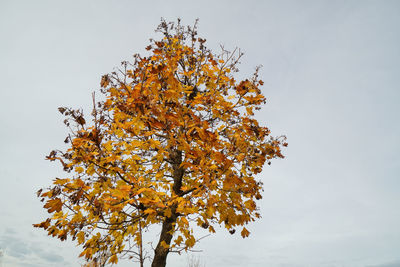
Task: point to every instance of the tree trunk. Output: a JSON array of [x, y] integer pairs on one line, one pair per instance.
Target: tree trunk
[[168, 227], [161, 253]]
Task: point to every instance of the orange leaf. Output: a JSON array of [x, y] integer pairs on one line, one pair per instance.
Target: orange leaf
[[113, 259], [53, 205], [245, 232]]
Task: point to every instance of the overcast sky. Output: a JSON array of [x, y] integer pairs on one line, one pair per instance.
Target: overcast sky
[[332, 75]]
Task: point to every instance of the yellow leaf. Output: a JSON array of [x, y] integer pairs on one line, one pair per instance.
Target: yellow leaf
[[178, 240], [53, 205], [87, 253], [190, 241], [168, 212], [245, 232], [149, 211], [61, 181], [113, 259], [108, 146], [184, 220], [90, 170], [250, 204], [81, 237], [135, 143], [249, 110], [164, 245], [240, 157]]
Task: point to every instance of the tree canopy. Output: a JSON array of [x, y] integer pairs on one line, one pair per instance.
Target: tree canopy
[[174, 142]]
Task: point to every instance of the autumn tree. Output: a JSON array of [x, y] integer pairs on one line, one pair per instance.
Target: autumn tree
[[173, 142]]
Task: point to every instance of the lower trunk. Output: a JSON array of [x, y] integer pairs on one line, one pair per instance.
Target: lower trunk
[[161, 253], [167, 231]]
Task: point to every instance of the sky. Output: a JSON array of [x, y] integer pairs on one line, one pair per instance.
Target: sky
[[331, 72]]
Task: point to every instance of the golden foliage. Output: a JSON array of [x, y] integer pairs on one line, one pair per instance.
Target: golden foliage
[[174, 140]]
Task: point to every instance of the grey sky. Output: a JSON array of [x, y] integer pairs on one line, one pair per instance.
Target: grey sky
[[332, 75]]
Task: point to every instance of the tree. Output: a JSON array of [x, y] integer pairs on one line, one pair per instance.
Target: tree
[[1, 257], [174, 142], [194, 262]]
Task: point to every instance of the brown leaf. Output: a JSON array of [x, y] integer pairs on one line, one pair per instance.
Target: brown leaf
[[80, 120]]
